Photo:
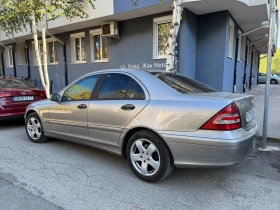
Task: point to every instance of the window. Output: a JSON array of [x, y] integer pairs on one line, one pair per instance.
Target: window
[[14, 83], [134, 91], [9, 54], [81, 90], [99, 46], [120, 86], [21, 54], [239, 46], [78, 48], [244, 38], [231, 38], [51, 52], [183, 84], [161, 32]]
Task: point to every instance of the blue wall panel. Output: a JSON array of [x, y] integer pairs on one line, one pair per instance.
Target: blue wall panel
[[211, 39], [187, 44]]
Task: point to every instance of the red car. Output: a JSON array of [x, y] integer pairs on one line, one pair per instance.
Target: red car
[[15, 95]]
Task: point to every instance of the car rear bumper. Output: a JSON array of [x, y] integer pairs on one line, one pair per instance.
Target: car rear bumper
[[197, 151]]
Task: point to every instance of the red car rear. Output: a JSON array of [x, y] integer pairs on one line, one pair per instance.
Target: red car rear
[[15, 95]]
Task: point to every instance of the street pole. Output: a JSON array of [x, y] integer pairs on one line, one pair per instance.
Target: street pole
[[268, 72]]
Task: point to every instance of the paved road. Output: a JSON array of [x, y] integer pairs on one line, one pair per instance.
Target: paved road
[[64, 175], [274, 109]]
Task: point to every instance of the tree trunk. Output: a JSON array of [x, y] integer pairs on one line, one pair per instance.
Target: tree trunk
[[174, 29], [45, 62], [36, 47]]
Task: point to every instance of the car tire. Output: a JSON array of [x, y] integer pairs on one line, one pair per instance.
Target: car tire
[[273, 81], [34, 128], [148, 156]]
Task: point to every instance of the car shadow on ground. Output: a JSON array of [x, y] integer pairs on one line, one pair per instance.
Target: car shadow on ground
[[11, 124], [259, 164]]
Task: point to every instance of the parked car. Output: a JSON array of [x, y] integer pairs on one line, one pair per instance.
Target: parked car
[[15, 95], [154, 119], [274, 79]]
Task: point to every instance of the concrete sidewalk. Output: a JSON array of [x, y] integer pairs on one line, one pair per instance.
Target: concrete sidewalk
[[274, 109]]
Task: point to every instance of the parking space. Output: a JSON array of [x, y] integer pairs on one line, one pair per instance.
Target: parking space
[[71, 176]]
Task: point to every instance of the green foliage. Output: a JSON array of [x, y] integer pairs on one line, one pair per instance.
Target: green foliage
[[275, 63], [16, 15]]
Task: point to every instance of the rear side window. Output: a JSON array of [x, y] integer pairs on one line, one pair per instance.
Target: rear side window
[[183, 84], [120, 86], [14, 83]]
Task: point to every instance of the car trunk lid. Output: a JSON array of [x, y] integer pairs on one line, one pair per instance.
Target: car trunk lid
[[245, 104]]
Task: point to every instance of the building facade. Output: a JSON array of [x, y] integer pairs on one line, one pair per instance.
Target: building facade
[[208, 49]]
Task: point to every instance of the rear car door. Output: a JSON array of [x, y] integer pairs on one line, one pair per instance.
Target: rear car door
[[69, 117], [118, 99]]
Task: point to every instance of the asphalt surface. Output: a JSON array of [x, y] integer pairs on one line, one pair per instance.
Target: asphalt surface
[[274, 109], [62, 175]]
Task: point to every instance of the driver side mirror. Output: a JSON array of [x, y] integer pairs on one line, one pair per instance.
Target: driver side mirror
[[55, 97]]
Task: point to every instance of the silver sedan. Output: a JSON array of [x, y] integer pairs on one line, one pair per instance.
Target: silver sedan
[[157, 120]]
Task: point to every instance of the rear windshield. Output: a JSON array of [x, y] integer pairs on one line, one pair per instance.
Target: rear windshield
[[183, 84], [14, 83]]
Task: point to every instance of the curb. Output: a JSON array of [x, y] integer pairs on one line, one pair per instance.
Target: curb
[[269, 139]]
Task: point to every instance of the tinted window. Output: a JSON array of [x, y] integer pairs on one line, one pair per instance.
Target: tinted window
[[81, 90], [114, 86], [14, 83], [135, 91], [183, 84]]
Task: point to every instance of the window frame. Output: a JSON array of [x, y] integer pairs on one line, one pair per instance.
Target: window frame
[[92, 33], [97, 90], [73, 47], [231, 30], [78, 80], [49, 40], [240, 50], [9, 54], [156, 22]]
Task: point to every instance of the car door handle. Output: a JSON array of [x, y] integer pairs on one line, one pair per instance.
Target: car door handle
[[128, 107], [82, 106]]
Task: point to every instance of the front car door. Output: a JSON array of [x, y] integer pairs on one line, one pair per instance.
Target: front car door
[[119, 98], [69, 117]]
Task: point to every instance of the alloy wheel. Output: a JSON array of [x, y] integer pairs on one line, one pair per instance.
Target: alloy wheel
[[145, 157], [34, 128]]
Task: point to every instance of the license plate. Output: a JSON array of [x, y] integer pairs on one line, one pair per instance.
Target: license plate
[[23, 98], [249, 115]]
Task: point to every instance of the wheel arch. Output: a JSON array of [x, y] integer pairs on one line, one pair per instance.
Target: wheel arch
[[133, 131], [29, 112]]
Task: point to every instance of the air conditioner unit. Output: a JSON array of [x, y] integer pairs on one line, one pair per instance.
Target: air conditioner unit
[[110, 29]]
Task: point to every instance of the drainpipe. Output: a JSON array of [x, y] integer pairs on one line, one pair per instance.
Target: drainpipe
[[235, 65], [251, 70], [245, 67], [3, 66], [258, 70], [64, 51]]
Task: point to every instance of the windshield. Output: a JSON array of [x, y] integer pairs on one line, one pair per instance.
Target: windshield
[[183, 84], [14, 83]]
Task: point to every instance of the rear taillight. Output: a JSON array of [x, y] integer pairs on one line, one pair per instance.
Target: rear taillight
[[226, 119], [43, 94], [3, 94]]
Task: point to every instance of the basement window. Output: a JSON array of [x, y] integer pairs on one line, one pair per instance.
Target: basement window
[[231, 37], [78, 48], [161, 32], [99, 46], [9, 54]]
